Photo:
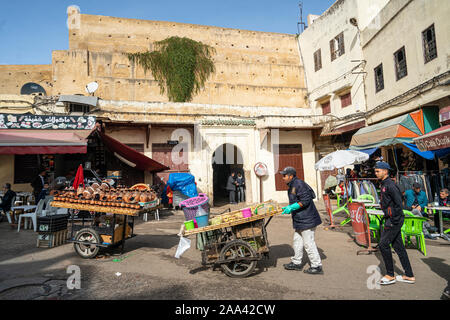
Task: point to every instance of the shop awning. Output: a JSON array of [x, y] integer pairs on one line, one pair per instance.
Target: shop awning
[[342, 129], [43, 141], [130, 156], [368, 151], [434, 140], [398, 130], [429, 155], [87, 100]]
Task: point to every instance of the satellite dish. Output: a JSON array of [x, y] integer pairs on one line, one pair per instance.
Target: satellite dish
[[32, 89], [91, 87]]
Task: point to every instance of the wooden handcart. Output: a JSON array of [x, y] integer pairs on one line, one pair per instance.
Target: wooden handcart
[[235, 245], [88, 238]]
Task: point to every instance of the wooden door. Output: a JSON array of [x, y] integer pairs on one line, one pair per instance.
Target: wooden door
[[162, 152], [289, 155]]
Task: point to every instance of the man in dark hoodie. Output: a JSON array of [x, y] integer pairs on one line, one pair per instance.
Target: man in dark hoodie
[[391, 204], [305, 218]]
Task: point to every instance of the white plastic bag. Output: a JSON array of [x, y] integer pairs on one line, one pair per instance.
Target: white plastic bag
[[201, 212], [184, 244]]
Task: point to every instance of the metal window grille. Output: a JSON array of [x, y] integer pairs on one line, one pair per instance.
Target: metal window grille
[[379, 81], [400, 63], [429, 44]]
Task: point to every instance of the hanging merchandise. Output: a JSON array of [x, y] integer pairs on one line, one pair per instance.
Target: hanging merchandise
[[430, 182]]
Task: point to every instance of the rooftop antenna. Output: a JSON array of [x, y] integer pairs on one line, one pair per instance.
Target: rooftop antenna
[[301, 23]]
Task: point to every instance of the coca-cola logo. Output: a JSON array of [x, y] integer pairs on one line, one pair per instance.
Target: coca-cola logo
[[357, 215]]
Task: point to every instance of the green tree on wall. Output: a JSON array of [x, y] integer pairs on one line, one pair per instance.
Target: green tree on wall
[[180, 65]]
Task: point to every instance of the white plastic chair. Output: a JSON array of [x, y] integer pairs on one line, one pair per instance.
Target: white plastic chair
[[32, 215]]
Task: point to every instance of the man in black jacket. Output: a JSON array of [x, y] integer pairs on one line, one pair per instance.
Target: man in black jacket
[[8, 195], [391, 204], [305, 219], [38, 183], [231, 187]]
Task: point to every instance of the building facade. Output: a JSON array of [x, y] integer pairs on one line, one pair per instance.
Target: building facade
[[253, 108]]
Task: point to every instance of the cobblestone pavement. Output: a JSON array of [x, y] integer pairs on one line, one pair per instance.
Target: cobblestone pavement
[[148, 269]]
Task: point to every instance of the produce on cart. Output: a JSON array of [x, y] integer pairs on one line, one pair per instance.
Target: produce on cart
[[110, 209], [235, 240]]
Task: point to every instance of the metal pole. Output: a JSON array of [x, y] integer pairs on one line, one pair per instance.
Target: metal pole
[[260, 190]]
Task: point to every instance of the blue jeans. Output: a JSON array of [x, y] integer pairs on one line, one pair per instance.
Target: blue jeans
[[241, 194]]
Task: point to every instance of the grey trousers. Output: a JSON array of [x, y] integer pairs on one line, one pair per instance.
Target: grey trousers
[[305, 239], [232, 195]]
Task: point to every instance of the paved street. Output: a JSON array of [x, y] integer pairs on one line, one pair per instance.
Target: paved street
[[148, 269]]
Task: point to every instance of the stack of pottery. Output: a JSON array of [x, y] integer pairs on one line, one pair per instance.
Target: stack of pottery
[[104, 195]]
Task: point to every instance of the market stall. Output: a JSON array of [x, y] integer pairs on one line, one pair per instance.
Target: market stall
[[112, 210]]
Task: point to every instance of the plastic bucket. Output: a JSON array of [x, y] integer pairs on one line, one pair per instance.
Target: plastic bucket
[[246, 213], [189, 224], [202, 221]]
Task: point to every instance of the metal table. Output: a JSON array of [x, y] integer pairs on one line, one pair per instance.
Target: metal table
[[441, 224]]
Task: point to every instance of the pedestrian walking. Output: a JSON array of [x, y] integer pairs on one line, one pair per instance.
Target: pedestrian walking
[[305, 219], [391, 204]]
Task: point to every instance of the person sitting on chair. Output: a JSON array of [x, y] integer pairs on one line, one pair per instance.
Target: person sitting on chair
[[444, 201], [416, 200], [341, 191], [8, 196]]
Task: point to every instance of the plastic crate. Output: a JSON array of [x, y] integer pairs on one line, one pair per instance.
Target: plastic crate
[[51, 239], [52, 223]]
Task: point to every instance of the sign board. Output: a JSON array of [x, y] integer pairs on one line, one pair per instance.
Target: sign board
[[42, 122], [360, 223], [440, 140], [260, 169]]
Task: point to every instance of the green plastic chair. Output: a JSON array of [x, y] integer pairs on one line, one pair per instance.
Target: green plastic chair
[[342, 208], [408, 213], [366, 197], [413, 227], [374, 226]]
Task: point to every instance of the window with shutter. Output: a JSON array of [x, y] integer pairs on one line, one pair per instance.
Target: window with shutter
[[317, 60], [332, 50], [346, 100], [288, 155], [326, 108], [337, 47]]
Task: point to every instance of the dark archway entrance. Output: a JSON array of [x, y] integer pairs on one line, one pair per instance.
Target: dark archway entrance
[[225, 159]]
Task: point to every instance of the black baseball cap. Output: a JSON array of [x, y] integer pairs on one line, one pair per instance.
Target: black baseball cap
[[289, 171]]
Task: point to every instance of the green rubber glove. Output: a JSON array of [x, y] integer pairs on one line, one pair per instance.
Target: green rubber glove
[[290, 208]]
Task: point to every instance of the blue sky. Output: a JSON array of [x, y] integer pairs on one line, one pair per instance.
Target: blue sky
[[30, 30]]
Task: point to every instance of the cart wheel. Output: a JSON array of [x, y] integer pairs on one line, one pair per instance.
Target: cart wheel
[[238, 269], [87, 251]]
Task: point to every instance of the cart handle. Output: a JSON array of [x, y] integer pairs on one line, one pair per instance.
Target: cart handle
[[268, 221]]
